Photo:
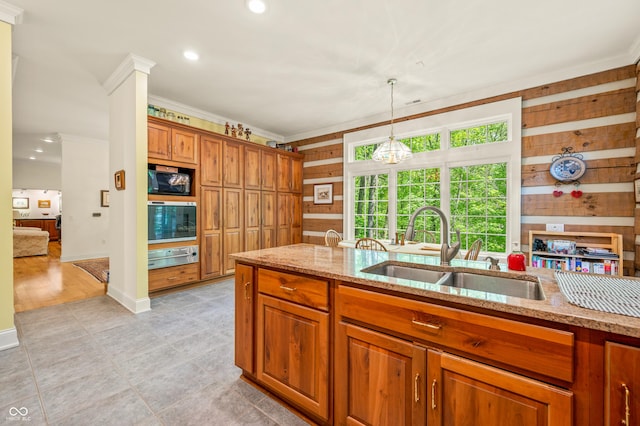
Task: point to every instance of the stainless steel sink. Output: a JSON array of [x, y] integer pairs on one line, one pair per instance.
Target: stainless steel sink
[[408, 272], [513, 287], [506, 286]]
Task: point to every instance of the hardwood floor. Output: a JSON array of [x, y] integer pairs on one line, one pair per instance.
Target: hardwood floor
[[40, 281]]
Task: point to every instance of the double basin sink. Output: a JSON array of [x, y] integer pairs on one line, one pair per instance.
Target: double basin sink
[[521, 287]]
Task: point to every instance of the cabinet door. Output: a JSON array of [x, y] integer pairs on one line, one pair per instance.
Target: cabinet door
[[464, 392], [184, 146], [293, 353], [252, 220], [244, 294], [622, 386], [268, 170], [379, 380], [50, 227], [284, 219], [233, 164], [233, 226], [268, 215], [296, 175], [210, 161], [211, 246], [284, 172], [252, 174], [296, 218], [159, 141]]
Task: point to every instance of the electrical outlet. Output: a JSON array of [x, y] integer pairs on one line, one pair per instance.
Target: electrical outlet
[[555, 227]]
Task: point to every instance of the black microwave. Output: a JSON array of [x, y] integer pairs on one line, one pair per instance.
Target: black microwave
[[168, 183]]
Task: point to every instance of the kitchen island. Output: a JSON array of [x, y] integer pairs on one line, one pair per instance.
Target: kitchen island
[[342, 346]]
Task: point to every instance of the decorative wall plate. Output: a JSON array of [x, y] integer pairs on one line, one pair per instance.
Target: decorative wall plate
[[567, 167]]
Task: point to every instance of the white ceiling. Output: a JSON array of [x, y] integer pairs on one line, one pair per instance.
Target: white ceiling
[[304, 67]]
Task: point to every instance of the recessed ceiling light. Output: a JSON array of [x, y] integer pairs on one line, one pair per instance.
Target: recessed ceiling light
[[48, 140], [257, 6], [191, 55], [39, 150], [32, 158]]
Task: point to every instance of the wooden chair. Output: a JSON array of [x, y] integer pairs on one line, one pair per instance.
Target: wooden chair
[[474, 250], [370, 244], [332, 238]]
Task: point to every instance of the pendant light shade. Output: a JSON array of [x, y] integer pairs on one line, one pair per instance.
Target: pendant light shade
[[392, 151]]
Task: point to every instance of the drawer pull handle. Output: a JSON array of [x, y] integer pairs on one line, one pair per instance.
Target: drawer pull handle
[[285, 288], [246, 288], [416, 390], [426, 324], [627, 409], [433, 394], [172, 278]]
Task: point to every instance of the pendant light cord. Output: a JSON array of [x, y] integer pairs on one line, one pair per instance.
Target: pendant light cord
[[391, 82]]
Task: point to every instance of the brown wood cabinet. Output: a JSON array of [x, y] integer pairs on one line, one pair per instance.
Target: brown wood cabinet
[[622, 384], [244, 333], [268, 206], [171, 277], [232, 226], [233, 168], [211, 226], [166, 142], [289, 173], [462, 392], [292, 350], [379, 380], [252, 212], [268, 169], [289, 219], [210, 160]]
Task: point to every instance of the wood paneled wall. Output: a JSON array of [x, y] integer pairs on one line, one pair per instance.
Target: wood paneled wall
[[637, 210], [597, 115]]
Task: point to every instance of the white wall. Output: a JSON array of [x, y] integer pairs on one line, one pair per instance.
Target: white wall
[[35, 195], [85, 172], [29, 174]]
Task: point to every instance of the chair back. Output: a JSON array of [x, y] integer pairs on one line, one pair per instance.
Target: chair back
[[474, 250], [332, 238], [370, 244]]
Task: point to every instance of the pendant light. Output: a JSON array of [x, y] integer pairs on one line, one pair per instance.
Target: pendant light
[[392, 151]]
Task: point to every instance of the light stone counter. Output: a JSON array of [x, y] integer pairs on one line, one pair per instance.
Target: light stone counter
[[345, 264]]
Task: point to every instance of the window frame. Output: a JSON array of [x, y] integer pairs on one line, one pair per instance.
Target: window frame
[[509, 151]]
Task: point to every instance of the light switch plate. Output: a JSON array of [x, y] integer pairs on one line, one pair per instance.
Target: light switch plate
[[555, 227]]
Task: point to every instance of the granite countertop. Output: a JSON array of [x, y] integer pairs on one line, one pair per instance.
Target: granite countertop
[[346, 264]]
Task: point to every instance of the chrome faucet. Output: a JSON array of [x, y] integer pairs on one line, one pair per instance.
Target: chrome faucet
[[447, 252]]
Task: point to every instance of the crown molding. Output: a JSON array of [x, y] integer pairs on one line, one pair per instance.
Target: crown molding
[[204, 115], [130, 64], [10, 14]]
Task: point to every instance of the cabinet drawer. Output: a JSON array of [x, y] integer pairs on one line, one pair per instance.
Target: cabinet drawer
[[529, 347], [296, 288], [170, 277]]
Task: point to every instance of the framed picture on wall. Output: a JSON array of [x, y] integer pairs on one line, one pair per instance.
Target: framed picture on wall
[[119, 180], [20, 202], [323, 194], [44, 204]]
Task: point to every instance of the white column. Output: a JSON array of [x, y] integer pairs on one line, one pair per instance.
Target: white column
[[9, 15], [128, 276]]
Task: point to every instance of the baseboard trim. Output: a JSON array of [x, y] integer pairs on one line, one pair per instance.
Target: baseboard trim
[[85, 257], [9, 339], [134, 305]]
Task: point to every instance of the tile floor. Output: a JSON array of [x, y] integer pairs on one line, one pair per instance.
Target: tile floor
[[94, 363]]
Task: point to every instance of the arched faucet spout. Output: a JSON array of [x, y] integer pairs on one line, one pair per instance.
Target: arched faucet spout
[[447, 252]]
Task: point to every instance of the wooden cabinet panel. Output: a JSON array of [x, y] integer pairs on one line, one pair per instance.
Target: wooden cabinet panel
[[252, 220], [528, 347], [293, 353], [268, 170], [252, 172], [211, 231], [296, 218], [622, 384], [268, 216], [244, 296], [300, 289], [463, 392], [379, 380], [284, 219], [233, 224], [284, 172], [210, 161], [158, 141], [172, 277], [233, 175], [296, 175], [184, 146]]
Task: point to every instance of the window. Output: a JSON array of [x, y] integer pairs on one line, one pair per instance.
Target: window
[[466, 162]]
